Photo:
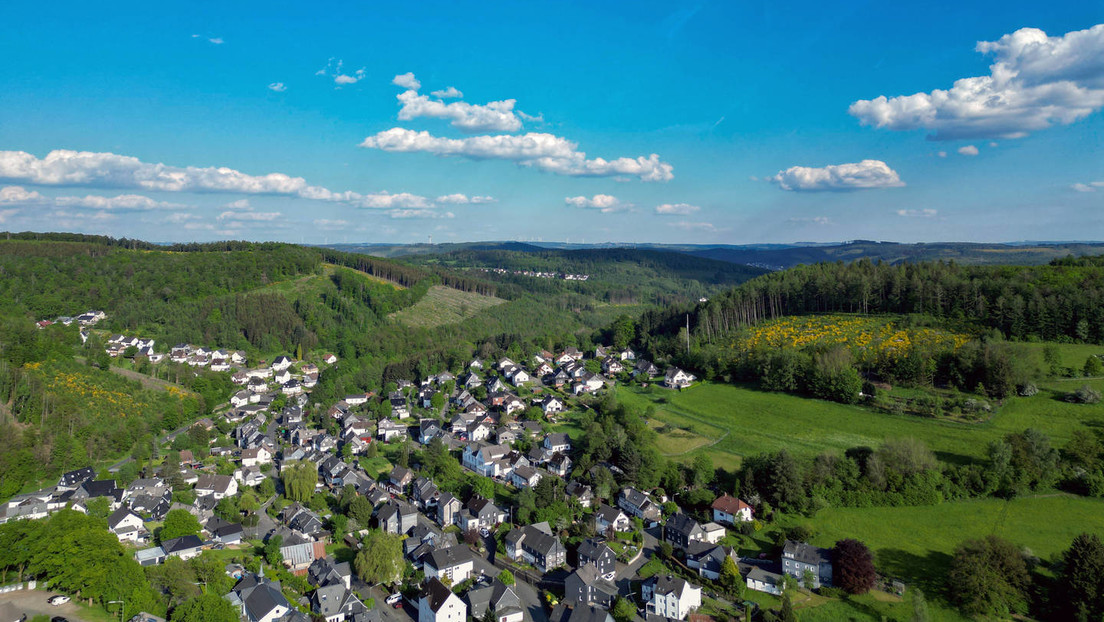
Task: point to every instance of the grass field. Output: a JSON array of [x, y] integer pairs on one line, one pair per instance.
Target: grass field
[[916, 543], [444, 305], [744, 421]]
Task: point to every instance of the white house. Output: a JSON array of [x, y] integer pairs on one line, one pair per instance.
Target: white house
[[218, 486], [454, 562], [439, 604], [675, 378], [670, 597], [125, 524], [255, 457], [281, 363], [729, 510]]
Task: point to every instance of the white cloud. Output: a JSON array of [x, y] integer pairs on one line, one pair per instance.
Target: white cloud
[[214, 40], [1035, 82], [419, 213], [680, 209], [239, 204], [5, 214], [336, 71], [249, 216], [544, 151], [450, 93], [602, 202], [1080, 187], [918, 213], [942, 154], [853, 176], [463, 199], [695, 226], [408, 81], [19, 195], [330, 225], [815, 220], [968, 150], [83, 168], [279, 87]]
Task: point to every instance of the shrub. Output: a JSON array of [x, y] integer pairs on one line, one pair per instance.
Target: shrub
[[1084, 395]]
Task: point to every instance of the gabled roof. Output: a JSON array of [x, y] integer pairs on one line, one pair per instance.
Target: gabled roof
[[729, 504], [682, 524], [437, 594], [449, 557], [806, 553], [183, 543], [592, 548]]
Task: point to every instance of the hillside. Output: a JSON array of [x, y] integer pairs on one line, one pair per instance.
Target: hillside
[[443, 305]]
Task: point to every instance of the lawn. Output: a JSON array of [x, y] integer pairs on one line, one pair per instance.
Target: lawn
[[373, 467], [744, 421], [916, 543], [444, 305]]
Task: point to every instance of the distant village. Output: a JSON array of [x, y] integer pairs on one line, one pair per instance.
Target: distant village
[[539, 275], [458, 573]]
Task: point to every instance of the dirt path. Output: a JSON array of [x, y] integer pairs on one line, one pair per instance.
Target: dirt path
[[148, 382]]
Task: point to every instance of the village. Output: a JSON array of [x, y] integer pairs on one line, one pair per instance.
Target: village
[[462, 558]]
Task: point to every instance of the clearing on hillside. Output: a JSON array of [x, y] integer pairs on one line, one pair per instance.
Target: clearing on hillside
[[444, 305]]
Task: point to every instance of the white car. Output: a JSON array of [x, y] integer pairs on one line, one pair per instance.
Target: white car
[[58, 600], [394, 598], [486, 533]]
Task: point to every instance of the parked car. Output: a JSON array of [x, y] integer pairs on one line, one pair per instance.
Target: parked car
[[394, 598], [486, 533], [58, 600]]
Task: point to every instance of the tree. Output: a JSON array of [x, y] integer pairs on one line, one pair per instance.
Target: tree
[[854, 567], [99, 507], [506, 577], [208, 607], [623, 610], [228, 509], [272, 552], [730, 575], [178, 523], [360, 510], [483, 486], [988, 577], [266, 488], [787, 612], [703, 471], [1079, 590], [381, 558], [919, 606], [1093, 367], [300, 479]]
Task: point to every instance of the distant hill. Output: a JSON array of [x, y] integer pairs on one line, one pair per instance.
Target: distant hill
[[895, 253]]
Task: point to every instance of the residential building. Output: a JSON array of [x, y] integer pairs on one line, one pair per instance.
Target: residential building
[[499, 598], [535, 545], [439, 604], [588, 587], [670, 596], [454, 563], [729, 510], [596, 552], [799, 558]]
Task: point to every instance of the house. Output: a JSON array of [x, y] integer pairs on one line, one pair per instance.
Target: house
[[259, 599], [708, 558], [612, 365], [638, 505], [125, 524], [627, 355], [799, 558], [486, 460], [535, 545], [480, 513], [581, 492], [594, 551], [255, 457], [525, 477], [298, 551], [184, 547], [329, 359], [325, 572], [675, 378], [281, 363], [454, 563], [497, 597], [729, 510], [399, 478], [558, 441], [292, 387], [559, 464], [224, 532], [763, 580], [357, 399], [425, 493], [586, 586], [681, 530], [607, 518], [335, 603], [448, 509], [387, 430], [438, 604], [218, 486], [567, 611], [399, 407], [669, 596], [397, 517]]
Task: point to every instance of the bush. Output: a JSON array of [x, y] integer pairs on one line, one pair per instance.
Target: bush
[[1084, 395], [1029, 389]]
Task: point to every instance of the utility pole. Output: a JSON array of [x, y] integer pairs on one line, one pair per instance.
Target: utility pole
[[688, 334]]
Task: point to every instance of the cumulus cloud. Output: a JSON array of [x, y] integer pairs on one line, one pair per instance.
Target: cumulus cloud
[[83, 168], [279, 87], [815, 220], [1035, 82], [18, 195], [463, 199], [330, 225], [450, 93], [601, 202], [838, 177], [695, 226], [419, 213], [1092, 186], [679, 209], [407, 81], [249, 216], [918, 213], [543, 151], [968, 150], [214, 40], [239, 204], [335, 69]]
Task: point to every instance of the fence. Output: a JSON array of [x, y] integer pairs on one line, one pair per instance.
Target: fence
[[16, 587]]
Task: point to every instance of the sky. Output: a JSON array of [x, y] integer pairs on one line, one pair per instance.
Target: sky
[[585, 122]]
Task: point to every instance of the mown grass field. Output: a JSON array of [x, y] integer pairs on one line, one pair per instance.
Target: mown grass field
[[742, 421], [444, 305], [916, 543]]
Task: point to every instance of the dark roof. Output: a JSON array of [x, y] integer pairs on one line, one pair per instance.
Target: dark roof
[[99, 488], [592, 548], [437, 593], [682, 524], [806, 553], [448, 557], [183, 543], [72, 478]]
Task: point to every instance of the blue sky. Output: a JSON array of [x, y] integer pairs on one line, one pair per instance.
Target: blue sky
[[715, 122]]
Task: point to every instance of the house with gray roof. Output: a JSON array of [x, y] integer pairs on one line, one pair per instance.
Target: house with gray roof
[[499, 598], [799, 557], [588, 587]]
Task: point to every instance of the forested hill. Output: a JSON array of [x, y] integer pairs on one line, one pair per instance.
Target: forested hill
[[1063, 300], [893, 252], [614, 275]]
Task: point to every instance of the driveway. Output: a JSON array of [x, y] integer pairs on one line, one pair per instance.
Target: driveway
[[33, 602]]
